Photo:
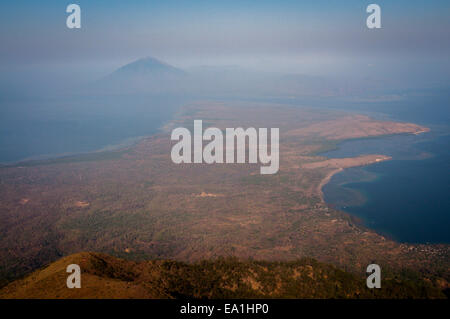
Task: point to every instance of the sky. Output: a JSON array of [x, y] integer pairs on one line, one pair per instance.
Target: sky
[[314, 37]]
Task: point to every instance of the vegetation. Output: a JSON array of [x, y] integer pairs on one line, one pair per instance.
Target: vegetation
[[138, 205], [104, 276]]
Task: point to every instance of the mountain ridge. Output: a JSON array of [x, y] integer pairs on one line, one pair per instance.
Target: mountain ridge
[[145, 75], [105, 276], [148, 66]]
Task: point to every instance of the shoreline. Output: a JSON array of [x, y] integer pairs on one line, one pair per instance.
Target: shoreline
[[121, 146], [57, 157], [325, 181], [328, 177], [364, 161]]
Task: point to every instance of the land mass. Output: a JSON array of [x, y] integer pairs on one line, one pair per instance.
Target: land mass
[[138, 205], [338, 164]]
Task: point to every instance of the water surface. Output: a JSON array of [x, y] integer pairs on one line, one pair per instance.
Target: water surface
[[406, 198]]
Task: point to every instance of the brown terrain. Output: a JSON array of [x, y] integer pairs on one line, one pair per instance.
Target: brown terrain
[[355, 126], [107, 277], [136, 204]]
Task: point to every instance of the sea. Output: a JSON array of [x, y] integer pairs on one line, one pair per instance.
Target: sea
[[407, 198], [36, 128]]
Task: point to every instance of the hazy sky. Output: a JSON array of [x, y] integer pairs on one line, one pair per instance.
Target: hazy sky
[[320, 36]]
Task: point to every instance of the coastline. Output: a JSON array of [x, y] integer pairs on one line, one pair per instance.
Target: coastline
[[325, 181], [328, 176], [340, 164]]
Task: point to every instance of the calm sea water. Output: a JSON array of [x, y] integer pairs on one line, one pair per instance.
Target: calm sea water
[[35, 128], [406, 198]]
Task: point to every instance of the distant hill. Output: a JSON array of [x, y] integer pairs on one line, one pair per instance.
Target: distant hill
[[151, 75], [144, 75], [105, 276], [147, 67]]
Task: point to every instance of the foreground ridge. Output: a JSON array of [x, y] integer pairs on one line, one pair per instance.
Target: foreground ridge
[[104, 276]]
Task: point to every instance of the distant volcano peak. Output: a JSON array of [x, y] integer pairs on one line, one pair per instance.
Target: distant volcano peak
[[148, 66]]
